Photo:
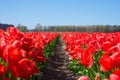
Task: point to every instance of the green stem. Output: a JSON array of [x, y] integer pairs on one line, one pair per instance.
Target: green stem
[[91, 73]]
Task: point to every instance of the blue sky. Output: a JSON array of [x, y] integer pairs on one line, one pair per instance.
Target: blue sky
[[60, 12]]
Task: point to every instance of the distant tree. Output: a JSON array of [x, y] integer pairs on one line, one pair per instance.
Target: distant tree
[[79, 28], [22, 28], [38, 27]]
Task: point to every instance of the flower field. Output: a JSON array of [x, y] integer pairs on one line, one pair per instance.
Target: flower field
[[93, 56], [21, 54], [96, 56]]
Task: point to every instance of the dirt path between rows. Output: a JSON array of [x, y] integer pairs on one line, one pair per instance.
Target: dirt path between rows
[[57, 67]]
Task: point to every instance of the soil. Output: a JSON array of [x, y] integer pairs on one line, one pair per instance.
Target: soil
[[57, 67]]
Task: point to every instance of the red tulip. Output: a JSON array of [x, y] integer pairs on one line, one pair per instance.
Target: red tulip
[[27, 44], [17, 44], [106, 63], [2, 70], [2, 33], [13, 69], [26, 68], [38, 55], [83, 78], [11, 54], [116, 57], [106, 45], [12, 31], [115, 75], [87, 59]]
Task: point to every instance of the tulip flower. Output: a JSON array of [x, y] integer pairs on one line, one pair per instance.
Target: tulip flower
[[2, 70], [83, 78]]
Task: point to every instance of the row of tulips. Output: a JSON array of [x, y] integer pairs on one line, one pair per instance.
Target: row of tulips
[[95, 56], [21, 52]]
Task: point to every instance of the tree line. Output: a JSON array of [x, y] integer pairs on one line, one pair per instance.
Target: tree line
[[91, 28], [66, 28]]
